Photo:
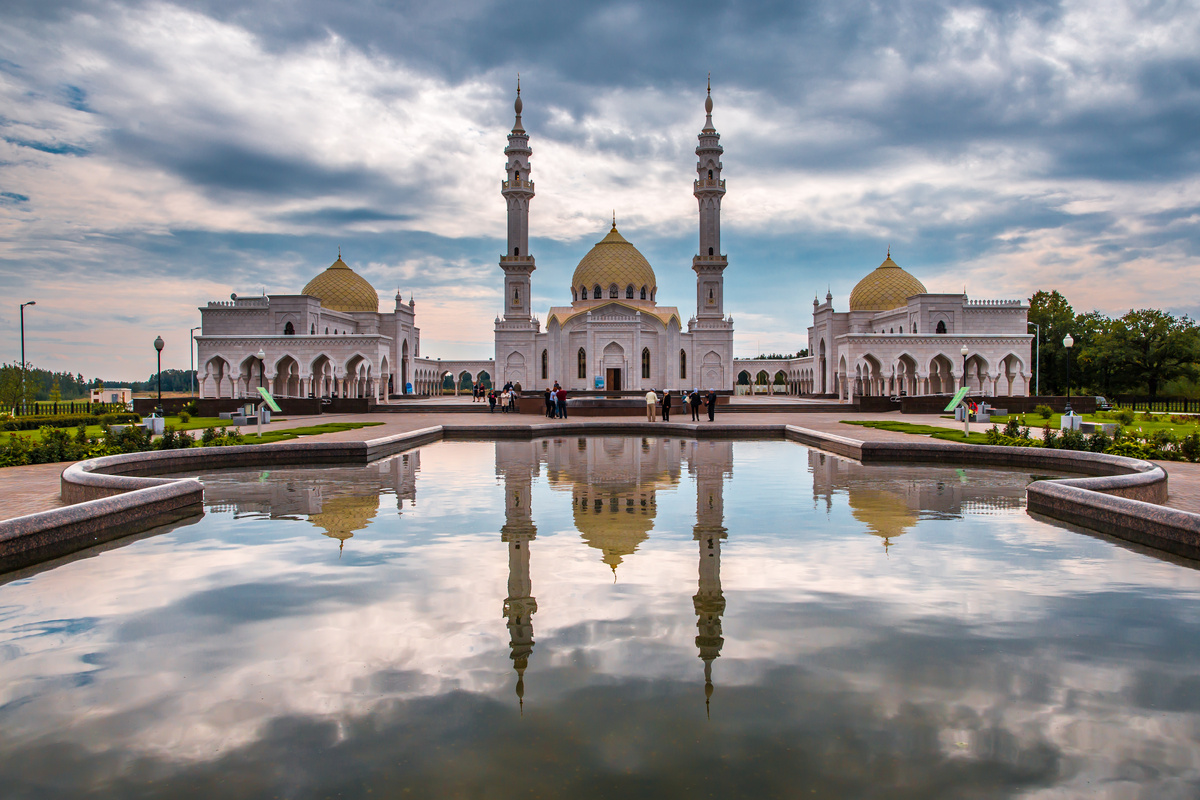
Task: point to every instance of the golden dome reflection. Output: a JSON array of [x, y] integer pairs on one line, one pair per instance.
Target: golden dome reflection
[[340, 288], [340, 517], [885, 288]]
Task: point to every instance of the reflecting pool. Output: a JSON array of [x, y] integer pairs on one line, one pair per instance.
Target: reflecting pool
[[605, 617]]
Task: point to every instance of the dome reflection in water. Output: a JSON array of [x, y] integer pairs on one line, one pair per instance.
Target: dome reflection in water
[[635, 617]]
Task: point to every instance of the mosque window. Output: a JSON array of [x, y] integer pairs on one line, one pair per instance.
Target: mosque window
[[710, 251], [645, 362], [574, 295], [289, 330], [710, 175], [643, 292], [517, 174], [583, 293], [581, 358], [629, 292], [683, 364], [596, 292], [312, 329], [545, 364], [516, 251], [516, 295], [326, 330], [613, 292], [941, 327]]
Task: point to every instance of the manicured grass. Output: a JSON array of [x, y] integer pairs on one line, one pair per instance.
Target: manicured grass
[[200, 423], [1160, 422], [945, 434], [296, 433]]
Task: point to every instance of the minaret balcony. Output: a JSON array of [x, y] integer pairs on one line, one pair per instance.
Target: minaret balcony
[[709, 183], [720, 260], [518, 184], [517, 260]]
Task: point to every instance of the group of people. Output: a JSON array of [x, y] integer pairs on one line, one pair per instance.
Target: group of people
[[556, 402], [689, 400], [506, 397]]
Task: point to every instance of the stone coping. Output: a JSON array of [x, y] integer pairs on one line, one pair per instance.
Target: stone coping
[[116, 496]]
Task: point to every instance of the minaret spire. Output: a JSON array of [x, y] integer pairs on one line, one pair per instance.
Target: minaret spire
[[518, 532], [709, 189], [518, 190]]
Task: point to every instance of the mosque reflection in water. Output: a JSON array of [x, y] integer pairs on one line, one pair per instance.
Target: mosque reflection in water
[[614, 484]]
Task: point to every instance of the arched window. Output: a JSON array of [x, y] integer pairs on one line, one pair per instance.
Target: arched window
[[710, 175], [646, 362], [683, 364], [613, 292], [581, 357], [516, 295], [643, 292], [710, 251], [517, 174], [941, 327], [574, 295], [914, 328], [289, 330], [596, 292], [326, 330], [312, 329], [516, 251], [629, 292], [545, 364], [583, 293]]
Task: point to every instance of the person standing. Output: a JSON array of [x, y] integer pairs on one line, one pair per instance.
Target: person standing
[[694, 402], [561, 402], [667, 406], [492, 401], [711, 401], [549, 403], [651, 405]]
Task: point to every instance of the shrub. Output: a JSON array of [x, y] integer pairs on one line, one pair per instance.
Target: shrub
[[185, 416], [1043, 410], [1049, 437], [191, 408], [1012, 428], [1189, 446], [39, 421], [1072, 439], [1125, 416], [1099, 442]]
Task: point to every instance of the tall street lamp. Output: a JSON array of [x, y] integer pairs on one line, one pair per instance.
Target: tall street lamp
[[30, 303], [1037, 369], [158, 345], [192, 355], [261, 365], [1068, 343]]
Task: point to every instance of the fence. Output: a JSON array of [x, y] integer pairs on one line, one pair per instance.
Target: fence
[[1181, 405], [74, 407]]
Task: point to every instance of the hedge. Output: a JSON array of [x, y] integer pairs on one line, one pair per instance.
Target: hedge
[[33, 423]]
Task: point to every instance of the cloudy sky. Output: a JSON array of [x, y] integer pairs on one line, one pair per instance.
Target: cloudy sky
[[154, 156]]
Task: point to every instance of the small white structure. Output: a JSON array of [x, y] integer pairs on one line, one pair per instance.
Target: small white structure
[[112, 395]]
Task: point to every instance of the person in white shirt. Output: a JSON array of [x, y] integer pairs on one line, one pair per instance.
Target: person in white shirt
[[651, 405]]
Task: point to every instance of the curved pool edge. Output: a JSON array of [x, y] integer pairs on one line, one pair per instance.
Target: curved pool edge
[[116, 496]]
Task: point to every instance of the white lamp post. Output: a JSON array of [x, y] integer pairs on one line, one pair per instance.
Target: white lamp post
[[966, 409], [1068, 343]]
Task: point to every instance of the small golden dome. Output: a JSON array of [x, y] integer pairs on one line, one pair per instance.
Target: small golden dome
[[886, 288], [341, 517], [340, 288], [615, 261]]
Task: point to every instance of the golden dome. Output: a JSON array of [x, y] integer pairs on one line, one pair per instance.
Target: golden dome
[[615, 261], [340, 288], [886, 288], [884, 513], [341, 517]]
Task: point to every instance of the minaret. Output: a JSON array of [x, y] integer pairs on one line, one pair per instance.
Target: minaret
[[517, 263], [518, 532], [713, 460], [709, 189]]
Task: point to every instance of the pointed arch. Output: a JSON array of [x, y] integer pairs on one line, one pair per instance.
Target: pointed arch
[[683, 365], [581, 364], [645, 363]]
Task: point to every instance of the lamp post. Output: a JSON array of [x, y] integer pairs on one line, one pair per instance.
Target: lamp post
[[158, 345], [1037, 369], [1068, 343], [259, 411], [30, 303], [192, 355], [966, 409]]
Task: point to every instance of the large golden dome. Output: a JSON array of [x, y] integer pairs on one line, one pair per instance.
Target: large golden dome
[[886, 288], [615, 261], [340, 288]]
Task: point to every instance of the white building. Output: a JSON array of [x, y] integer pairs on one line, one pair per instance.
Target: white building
[[614, 335]]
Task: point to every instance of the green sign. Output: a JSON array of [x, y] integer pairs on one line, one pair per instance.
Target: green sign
[[958, 398], [270, 401]]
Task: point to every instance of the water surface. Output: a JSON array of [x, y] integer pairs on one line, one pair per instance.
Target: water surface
[[605, 617]]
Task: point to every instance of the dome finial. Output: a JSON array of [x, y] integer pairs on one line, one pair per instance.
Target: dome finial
[[708, 104], [339, 252], [614, 227]]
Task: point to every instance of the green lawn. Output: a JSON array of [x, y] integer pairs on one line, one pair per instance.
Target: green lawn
[[1159, 422], [945, 434], [200, 423]]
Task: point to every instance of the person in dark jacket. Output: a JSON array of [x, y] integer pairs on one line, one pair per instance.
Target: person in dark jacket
[[549, 403], [666, 404], [492, 401], [694, 403], [711, 402]]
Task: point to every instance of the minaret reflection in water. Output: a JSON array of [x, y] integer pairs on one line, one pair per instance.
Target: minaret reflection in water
[[613, 483], [518, 532]]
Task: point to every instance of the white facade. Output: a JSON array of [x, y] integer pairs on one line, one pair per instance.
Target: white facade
[[614, 335]]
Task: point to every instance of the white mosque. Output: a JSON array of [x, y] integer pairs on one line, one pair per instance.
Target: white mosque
[[896, 338]]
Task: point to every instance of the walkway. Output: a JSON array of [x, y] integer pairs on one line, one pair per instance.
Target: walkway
[[26, 490]]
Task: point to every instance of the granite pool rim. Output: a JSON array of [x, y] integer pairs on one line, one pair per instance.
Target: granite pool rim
[[115, 496]]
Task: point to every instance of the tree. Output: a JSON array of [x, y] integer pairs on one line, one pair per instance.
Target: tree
[[55, 392], [1051, 311], [1155, 347]]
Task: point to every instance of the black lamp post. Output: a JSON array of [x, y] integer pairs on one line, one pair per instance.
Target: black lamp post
[[30, 303], [158, 345], [261, 366], [964, 352], [1068, 343]]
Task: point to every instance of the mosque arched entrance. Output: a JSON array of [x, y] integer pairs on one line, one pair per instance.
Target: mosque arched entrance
[[614, 365]]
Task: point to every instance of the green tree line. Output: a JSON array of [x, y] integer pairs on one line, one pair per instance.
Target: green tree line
[[1144, 351]]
